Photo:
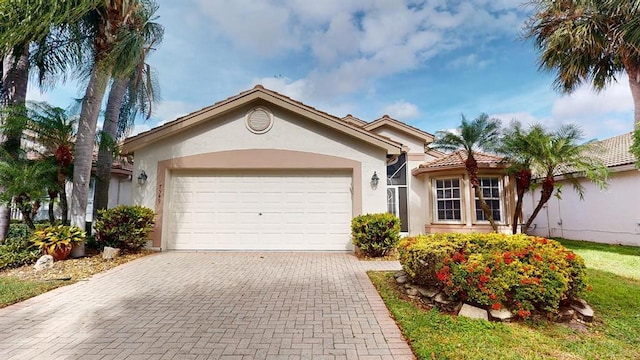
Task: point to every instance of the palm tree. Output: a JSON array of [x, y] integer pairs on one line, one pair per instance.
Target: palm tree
[[54, 130], [589, 41], [130, 93], [24, 182], [482, 132], [556, 153], [514, 144], [114, 25]]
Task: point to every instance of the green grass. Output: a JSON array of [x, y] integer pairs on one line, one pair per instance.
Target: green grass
[[14, 290], [617, 259], [614, 273]]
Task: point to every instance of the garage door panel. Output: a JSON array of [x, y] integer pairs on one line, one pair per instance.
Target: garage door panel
[[260, 210]]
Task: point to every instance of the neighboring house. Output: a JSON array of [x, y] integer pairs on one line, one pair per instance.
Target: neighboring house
[[610, 215], [261, 171]]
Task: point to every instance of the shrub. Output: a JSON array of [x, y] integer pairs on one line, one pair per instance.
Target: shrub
[[520, 272], [57, 240], [124, 227], [16, 249], [375, 234]]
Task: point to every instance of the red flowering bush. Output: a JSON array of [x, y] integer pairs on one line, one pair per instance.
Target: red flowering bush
[[520, 272]]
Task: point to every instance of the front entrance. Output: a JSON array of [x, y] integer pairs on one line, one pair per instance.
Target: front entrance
[[397, 190]]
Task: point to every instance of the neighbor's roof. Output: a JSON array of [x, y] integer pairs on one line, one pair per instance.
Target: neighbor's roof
[[257, 94], [457, 160], [615, 150]]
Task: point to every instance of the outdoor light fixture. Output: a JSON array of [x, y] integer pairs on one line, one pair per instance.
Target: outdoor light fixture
[[374, 180], [142, 178]]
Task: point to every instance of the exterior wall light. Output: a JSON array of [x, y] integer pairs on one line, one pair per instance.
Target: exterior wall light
[[142, 178], [374, 180]]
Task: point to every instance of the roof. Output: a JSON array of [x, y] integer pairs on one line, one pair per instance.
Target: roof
[[257, 93], [350, 119], [615, 150], [386, 120], [457, 160]]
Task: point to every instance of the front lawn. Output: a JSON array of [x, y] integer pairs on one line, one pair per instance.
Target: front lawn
[[614, 334], [13, 290]]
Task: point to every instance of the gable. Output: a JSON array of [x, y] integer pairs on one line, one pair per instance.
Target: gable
[[258, 96]]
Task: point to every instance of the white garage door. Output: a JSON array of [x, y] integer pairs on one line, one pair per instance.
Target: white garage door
[[254, 210]]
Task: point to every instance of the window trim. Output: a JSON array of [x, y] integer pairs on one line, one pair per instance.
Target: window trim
[[501, 199], [434, 203]]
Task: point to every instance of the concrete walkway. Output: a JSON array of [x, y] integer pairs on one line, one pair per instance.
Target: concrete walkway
[[209, 305]]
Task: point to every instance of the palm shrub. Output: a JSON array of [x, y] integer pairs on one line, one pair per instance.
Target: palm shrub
[[519, 272], [375, 234], [124, 227]]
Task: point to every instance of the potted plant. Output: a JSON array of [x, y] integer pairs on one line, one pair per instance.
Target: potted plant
[[57, 240]]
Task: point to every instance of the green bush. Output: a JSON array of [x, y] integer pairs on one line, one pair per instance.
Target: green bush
[[375, 234], [522, 273], [53, 238], [124, 227], [16, 249]]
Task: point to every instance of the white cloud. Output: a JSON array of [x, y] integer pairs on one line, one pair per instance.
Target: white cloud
[[138, 128], [401, 110], [167, 111], [585, 102], [34, 94]]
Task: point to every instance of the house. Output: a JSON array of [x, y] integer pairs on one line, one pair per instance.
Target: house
[[262, 171], [610, 215]]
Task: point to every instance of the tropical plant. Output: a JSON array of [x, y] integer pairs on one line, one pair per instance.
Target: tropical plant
[[54, 130], [375, 234], [480, 133], [558, 153], [124, 227], [57, 240], [24, 182], [588, 41]]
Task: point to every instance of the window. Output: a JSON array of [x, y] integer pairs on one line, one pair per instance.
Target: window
[[448, 200], [491, 193]]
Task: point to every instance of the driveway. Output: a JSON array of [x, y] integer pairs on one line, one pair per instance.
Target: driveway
[[211, 305]]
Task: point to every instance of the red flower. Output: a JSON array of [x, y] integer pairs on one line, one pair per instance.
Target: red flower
[[487, 270], [496, 306], [537, 257], [493, 296], [522, 313], [507, 258], [571, 256], [483, 279], [459, 257], [553, 267]]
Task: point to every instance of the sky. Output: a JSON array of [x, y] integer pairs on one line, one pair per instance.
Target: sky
[[426, 63]]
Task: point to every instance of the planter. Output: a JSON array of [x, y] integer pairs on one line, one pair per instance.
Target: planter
[[60, 252]]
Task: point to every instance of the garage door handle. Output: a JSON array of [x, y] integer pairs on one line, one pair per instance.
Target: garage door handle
[[260, 214]]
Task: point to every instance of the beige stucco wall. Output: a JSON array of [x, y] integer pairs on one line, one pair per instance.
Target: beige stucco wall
[[289, 132], [609, 216]]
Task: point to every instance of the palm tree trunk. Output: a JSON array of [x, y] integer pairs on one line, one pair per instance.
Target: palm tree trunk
[[634, 84], [105, 154], [472, 169], [547, 191], [523, 182], [64, 205], [85, 142], [52, 197], [15, 78]]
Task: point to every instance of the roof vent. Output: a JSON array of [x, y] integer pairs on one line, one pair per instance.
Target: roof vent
[[259, 120]]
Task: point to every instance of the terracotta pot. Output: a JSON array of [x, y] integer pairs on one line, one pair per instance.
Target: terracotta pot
[[60, 253]]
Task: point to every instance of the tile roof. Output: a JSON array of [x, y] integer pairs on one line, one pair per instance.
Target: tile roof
[[615, 150], [386, 119], [458, 158]]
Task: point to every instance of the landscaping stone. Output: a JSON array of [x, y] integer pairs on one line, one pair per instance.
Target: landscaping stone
[[473, 312], [397, 274], [584, 311], [411, 291], [565, 315], [401, 279], [443, 303], [503, 315], [428, 292], [45, 262], [110, 253]]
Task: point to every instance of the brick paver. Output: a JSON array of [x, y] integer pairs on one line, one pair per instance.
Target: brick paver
[[211, 305]]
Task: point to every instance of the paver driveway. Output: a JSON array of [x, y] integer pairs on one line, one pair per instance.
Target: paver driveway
[[210, 305]]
